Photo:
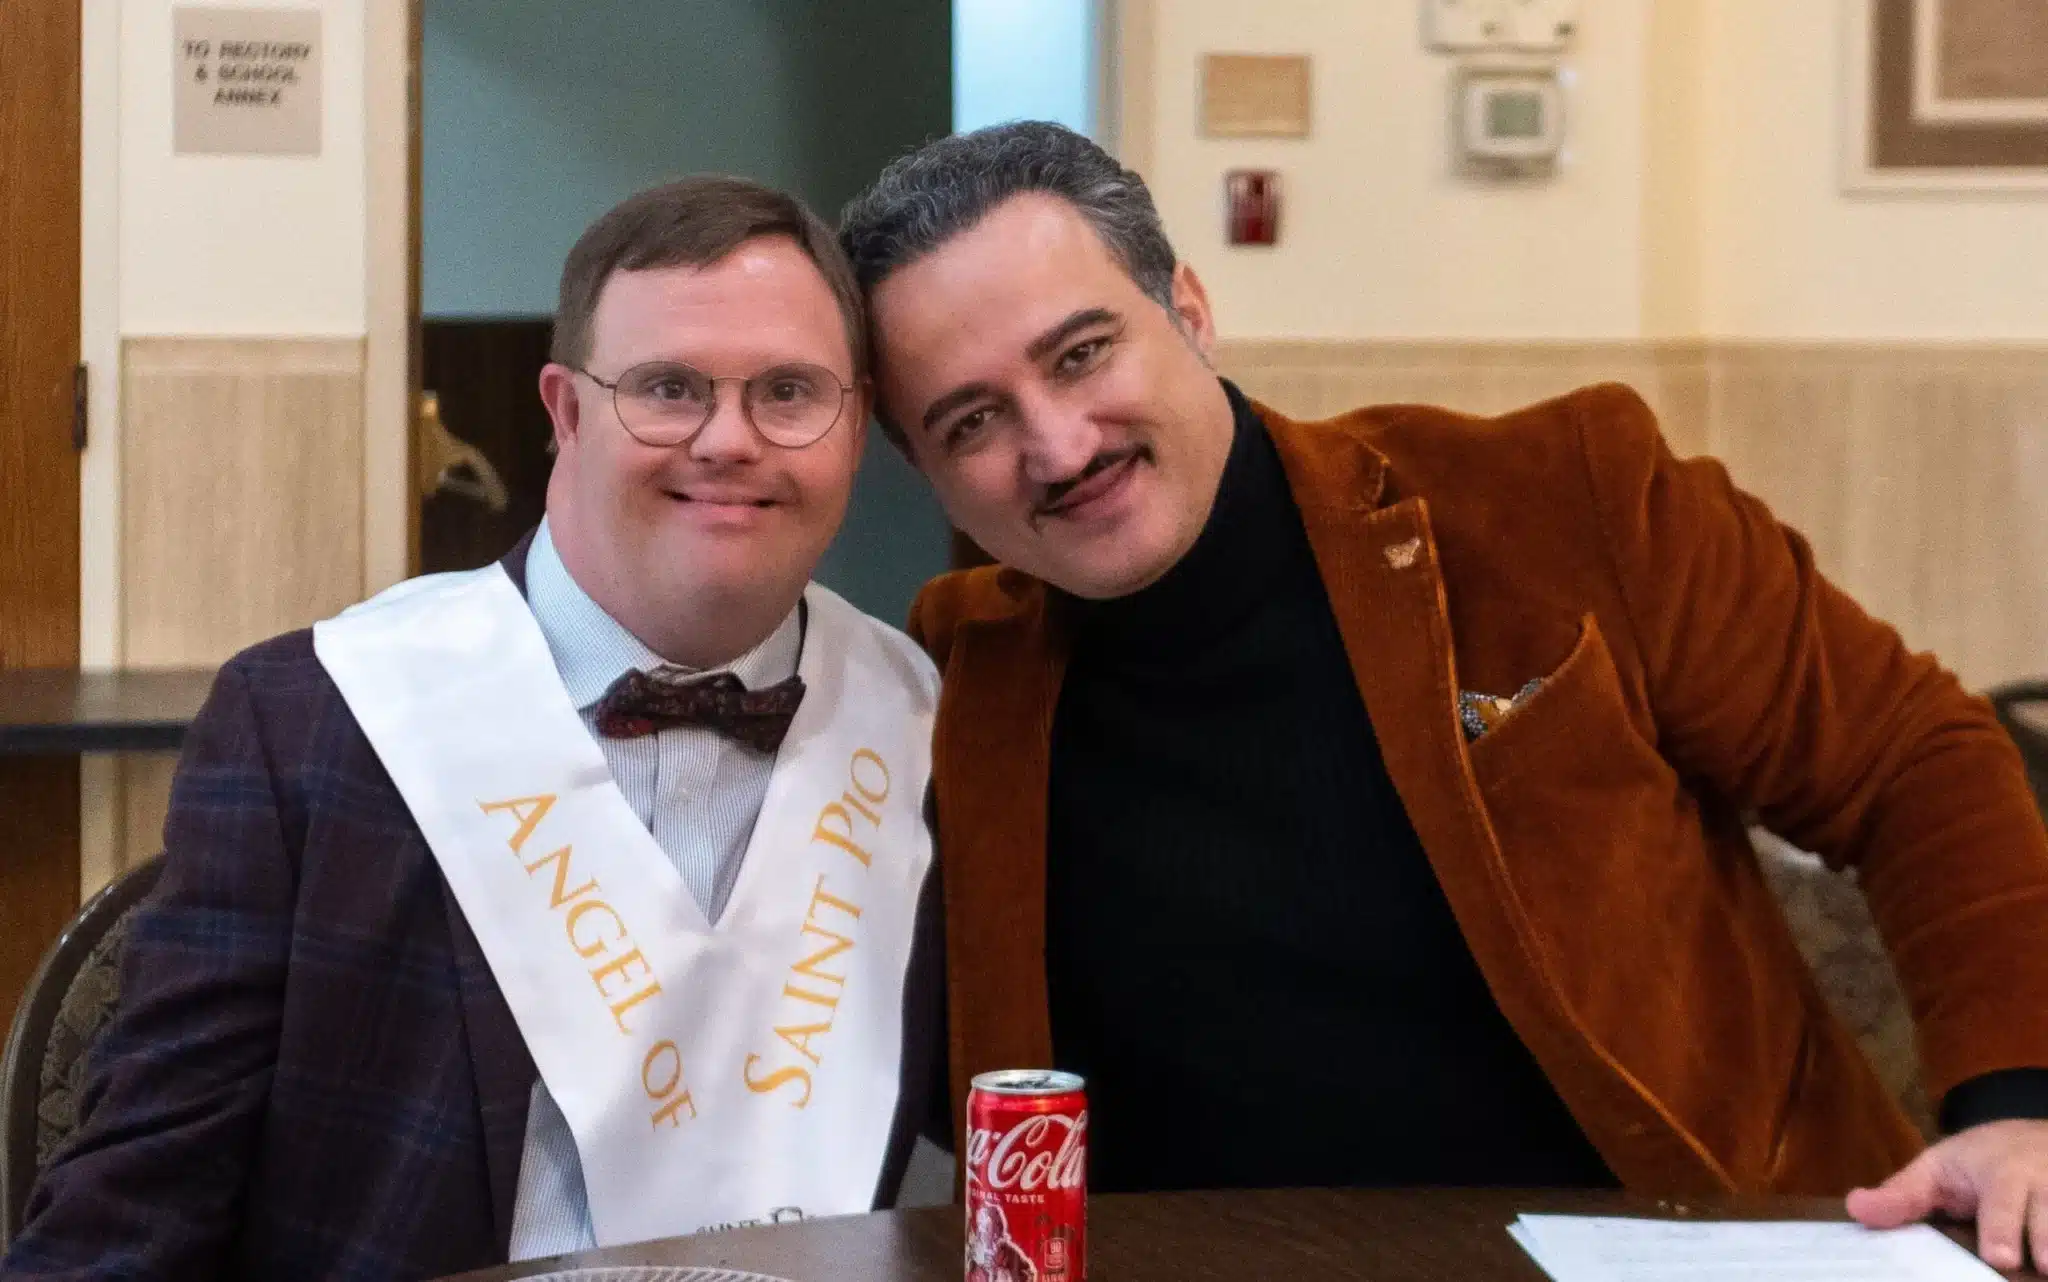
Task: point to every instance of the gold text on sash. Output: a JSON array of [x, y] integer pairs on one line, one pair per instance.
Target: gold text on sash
[[812, 992], [604, 946]]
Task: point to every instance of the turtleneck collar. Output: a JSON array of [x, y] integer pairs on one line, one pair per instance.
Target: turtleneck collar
[[1251, 543]]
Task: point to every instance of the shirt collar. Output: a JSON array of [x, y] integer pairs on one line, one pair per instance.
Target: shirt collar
[[591, 649]]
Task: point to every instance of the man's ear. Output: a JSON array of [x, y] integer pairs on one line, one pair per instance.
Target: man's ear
[[564, 404], [1191, 310]]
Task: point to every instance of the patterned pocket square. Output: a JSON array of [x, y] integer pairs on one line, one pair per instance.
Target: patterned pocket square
[[1479, 713]]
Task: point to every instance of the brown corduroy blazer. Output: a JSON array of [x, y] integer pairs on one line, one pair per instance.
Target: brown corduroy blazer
[[1700, 673]]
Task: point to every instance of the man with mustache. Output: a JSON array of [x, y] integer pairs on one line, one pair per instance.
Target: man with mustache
[[575, 901], [1375, 790]]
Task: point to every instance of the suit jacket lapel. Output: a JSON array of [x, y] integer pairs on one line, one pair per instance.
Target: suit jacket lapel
[[995, 869], [514, 562], [1385, 582]]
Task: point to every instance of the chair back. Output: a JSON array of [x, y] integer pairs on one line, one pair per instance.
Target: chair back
[[60, 1016], [2022, 708]]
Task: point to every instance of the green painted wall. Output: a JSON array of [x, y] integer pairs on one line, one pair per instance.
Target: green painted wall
[[537, 115]]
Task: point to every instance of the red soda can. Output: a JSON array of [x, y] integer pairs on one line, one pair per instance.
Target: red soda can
[[1027, 1177]]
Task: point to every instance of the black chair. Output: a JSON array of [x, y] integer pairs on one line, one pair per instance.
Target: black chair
[[2030, 735], [67, 1003]]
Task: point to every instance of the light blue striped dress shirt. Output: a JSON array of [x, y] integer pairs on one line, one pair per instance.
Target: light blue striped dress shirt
[[698, 793]]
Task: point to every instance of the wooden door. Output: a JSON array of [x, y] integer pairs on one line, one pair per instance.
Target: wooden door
[[482, 438], [39, 345]]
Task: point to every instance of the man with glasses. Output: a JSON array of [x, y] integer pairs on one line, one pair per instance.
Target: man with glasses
[[576, 901]]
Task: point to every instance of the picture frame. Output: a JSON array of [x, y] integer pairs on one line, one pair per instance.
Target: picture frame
[[1944, 96]]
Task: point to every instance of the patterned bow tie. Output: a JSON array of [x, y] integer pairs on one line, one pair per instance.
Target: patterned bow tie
[[641, 703]]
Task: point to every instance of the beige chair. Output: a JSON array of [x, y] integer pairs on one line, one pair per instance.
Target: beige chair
[[67, 1003], [1840, 942]]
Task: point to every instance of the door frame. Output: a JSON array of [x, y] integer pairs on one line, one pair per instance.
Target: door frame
[[393, 32]]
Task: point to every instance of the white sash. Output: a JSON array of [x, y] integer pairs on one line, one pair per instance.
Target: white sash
[[746, 1071]]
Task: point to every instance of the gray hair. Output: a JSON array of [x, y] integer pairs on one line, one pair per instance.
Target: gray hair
[[925, 198]]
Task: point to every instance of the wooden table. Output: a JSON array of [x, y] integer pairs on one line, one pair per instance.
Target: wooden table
[[62, 711], [1305, 1236], [48, 718]]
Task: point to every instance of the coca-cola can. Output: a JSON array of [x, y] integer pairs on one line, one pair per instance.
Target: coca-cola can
[[1027, 1177]]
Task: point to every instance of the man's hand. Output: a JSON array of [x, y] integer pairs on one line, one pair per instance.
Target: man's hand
[[1996, 1174]]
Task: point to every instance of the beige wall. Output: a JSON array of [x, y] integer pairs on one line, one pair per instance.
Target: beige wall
[[250, 257], [254, 245], [1789, 255], [1875, 366], [1377, 238], [1700, 193]]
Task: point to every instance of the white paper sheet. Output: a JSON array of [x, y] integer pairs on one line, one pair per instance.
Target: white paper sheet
[[1588, 1249]]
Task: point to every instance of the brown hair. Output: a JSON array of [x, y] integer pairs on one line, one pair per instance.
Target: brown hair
[[693, 223]]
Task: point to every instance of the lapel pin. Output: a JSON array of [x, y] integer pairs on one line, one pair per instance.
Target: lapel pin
[[1402, 555]]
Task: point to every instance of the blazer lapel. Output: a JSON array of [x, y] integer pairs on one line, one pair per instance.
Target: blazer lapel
[[1380, 568], [514, 561], [995, 866]]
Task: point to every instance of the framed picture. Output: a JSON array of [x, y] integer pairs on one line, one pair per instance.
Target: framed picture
[[1945, 95]]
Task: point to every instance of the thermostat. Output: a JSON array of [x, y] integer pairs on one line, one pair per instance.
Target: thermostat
[[1509, 120]]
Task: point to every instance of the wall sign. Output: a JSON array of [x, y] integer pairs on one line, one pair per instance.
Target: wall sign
[[247, 81], [1255, 96]]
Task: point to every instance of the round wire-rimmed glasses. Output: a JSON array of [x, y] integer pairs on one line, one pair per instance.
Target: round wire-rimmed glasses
[[666, 403]]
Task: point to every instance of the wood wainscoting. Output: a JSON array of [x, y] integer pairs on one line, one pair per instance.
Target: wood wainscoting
[[242, 517], [1319, 379], [242, 485], [1918, 471]]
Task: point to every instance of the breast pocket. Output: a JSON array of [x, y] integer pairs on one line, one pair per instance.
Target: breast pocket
[[1596, 837], [1577, 728], [1638, 913]]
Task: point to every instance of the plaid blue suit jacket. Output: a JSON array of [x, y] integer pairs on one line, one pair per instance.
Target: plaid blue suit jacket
[[311, 1073]]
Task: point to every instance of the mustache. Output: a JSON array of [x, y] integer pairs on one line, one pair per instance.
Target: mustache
[[1056, 493]]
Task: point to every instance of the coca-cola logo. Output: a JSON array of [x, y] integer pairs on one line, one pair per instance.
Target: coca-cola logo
[[1045, 1152]]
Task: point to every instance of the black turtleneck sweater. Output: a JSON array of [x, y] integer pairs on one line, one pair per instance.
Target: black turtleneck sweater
[[1249, 955]]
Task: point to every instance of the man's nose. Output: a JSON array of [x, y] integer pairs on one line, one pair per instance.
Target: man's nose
[[1058, 444], [726, 437]]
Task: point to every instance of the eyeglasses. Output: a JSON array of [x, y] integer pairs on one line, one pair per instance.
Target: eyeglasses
[[666, 403]]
